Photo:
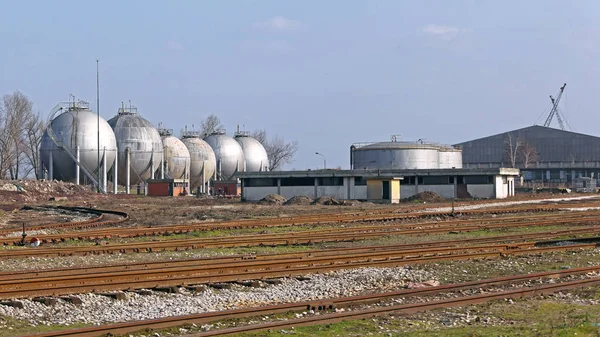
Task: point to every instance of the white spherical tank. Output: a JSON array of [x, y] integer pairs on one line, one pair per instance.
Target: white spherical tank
[[138, 136], [229, 154], [176, 158], [202, 160], [255, 154], [76, 127]]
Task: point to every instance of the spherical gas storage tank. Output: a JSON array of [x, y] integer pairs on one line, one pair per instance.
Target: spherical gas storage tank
[[255, 154], [229, 154], [202, 159], [76, 126], [138, 136], [176, 160], [404, 156]]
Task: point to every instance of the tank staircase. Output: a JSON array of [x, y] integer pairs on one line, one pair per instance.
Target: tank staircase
[[60, 145]]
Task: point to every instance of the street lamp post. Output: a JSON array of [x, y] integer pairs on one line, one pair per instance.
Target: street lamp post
[[324, 160]]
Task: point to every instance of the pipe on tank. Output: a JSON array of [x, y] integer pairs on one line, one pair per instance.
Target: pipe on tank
[[352, 147], [162, 165], [41, 166], [203, 188], [77, 165], [115, 171], [127, 170]]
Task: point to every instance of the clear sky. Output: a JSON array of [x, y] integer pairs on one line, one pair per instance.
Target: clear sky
[[324, 73]]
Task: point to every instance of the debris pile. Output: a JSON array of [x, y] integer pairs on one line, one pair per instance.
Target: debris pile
[[41, 190], [327, 201], [299, 200], [426, 196], [273, 199]]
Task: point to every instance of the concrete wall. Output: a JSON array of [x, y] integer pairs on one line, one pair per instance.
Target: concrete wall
[[292, 191], [338, 192], [360, 192], [481, 190], [501, 188], [257, 193], [395, 191]]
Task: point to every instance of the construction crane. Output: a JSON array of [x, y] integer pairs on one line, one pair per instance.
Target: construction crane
[[555, 111]]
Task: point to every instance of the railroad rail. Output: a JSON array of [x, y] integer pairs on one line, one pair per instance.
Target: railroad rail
[[301, 237], [209, 271], [325, 306]]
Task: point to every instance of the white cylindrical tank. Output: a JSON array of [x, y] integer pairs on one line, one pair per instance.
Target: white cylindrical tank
[[135, 133], [229, 155], [450, 158], [176, 158], [202, 159], [255, 154], [77, 127]]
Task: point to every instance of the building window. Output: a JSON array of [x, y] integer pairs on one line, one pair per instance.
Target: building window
[[408, 181], [330, 181], [260, 182], [360, 181], [479, 179], [450, 180], [298, 181], [435, 180]]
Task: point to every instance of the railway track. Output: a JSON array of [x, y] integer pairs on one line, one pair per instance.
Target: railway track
[[325, 306], [302, 237], [189, 273], [320, 219]]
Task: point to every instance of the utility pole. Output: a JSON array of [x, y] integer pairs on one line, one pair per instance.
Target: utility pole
[[98, 118]]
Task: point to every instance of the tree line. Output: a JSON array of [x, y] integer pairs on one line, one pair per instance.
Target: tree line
[[21, 131], [278, 150]]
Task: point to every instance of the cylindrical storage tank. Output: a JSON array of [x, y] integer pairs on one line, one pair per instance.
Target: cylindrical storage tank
[[450, 158], [176, 158], [76, 127], [140, 137], [202, 160], [396, 155], [255, 154], [229, 155]]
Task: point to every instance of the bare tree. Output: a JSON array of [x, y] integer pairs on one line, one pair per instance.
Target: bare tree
[[529, 154], [511, 150], [16, 111], [34, 129], [279, 151], [210, 124]]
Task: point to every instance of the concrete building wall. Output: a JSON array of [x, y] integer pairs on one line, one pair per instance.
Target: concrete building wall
[[257, 193], [360, 192], [338, 192], [395, 191], [446, 191], [292, 191], [481, 190]]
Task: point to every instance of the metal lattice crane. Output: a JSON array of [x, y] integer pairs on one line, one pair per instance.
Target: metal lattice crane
[[555, 111]]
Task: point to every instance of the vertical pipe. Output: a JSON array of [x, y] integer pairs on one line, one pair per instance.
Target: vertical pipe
[[98, 117], [104, 170], [77, 165], [203, 187], [51, 167], [116, 171], [162, 165], [220, 175], [40, 166], [152, 165], [127, 170]]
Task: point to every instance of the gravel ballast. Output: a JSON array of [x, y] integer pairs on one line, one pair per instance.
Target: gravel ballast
[[98, 309]]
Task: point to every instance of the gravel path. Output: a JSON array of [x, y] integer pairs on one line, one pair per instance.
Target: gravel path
[[508, 203], [97, 309]]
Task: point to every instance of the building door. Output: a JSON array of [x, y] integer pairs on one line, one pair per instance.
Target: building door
[[386, 190]]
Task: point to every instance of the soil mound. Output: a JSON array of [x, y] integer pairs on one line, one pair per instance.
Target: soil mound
[[426, 196], [299, 200], [327, 201], [42, 190], [272, 199]]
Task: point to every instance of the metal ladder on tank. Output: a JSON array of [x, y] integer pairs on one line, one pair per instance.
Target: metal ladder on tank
[[60, 146]]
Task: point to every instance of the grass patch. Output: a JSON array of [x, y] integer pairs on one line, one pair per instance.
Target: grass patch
[[10, 327]]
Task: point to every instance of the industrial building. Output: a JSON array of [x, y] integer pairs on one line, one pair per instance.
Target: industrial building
[[383, 185], [387, 172], [544, 155]]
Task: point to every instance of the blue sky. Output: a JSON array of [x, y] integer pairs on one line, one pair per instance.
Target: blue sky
[[324, 73]]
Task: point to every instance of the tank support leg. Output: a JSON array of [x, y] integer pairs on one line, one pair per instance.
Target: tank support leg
[[128, 170], [104, 171], [77, 165], [51, 167], [115, 171]]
